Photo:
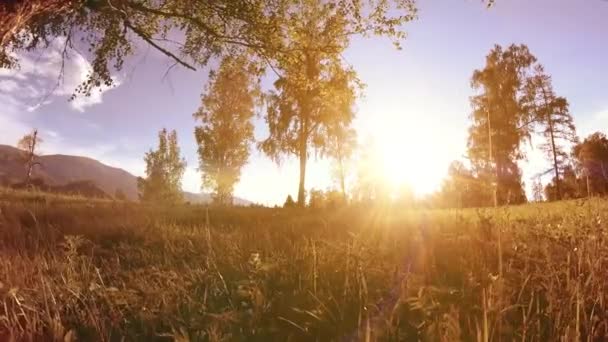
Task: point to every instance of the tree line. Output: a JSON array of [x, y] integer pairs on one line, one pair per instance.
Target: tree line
[[300, 42], [514, 102], [309, 111]]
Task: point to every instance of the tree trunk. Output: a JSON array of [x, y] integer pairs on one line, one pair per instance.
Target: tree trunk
[[341, 175], [557, 182], [587, 177], [303, 154], [495, 183], [343, 183], [548, 108], [301, 187], [31, 155]]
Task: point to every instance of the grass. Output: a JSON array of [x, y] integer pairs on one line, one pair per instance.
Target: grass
[[72, 269]]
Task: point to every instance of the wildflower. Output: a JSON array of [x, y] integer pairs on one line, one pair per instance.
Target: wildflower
[[254, 260]]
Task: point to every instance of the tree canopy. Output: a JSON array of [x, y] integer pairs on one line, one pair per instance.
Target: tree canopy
[[591, 156], [29, 145], [501, 120], [164, 171], [315, 90], [189, 33], [552, 114], [226, 130]]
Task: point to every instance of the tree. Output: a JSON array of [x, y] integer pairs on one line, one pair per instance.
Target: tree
[[369, 186], [227, 107], [552, 114], [341, 146], [462, 189], [188, 33], [303, 39], [289, 203], [28, 144], [164, 171], [571, 186], [591, 157], [314, 91], [537, 190], [501, 121], [317, 199], [334, 199]]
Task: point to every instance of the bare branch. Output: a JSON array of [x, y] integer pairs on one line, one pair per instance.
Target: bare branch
[[150, 41]]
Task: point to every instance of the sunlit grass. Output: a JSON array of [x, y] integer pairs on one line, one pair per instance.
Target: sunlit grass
[[104, 270]]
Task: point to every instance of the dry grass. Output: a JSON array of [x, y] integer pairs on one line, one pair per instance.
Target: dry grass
[[77, 270]]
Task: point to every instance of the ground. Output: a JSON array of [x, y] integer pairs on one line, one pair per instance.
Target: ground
[[75, 269]]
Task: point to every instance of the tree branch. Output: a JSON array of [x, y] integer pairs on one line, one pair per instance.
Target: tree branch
[[149, 40]]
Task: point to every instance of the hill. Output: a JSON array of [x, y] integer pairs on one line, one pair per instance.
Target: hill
[[59, 170]]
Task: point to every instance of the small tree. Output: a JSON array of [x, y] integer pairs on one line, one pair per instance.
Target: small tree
[[289, 202], [463, 189], [334, 199], [591, 156], [164, 170], [28, 144], [537, 190], [317, 199], [341, 146], [226, 130]]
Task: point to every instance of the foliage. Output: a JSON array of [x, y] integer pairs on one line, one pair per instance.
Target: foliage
[[341, 146], [591, 157], [164, 170], [317, 199], [29, 144], [462, 189], [289, 202], [537, 190], [315, 91], [370, 187], [552, 114], [329, 199], [571, 186], [187, 33], [226, 130], [501, 120]]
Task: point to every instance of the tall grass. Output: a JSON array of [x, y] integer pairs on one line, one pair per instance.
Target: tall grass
[[79, 270]]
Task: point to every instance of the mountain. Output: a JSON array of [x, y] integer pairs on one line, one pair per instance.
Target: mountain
[[59, 170]]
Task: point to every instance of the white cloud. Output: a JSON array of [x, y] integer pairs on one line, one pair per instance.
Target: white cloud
[[8, 85], [596, 122], [48, 75], [36, 83]]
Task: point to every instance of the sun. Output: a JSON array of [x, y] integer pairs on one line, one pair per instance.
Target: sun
[[404, 157]]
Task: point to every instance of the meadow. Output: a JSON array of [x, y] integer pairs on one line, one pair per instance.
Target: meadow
[[73, 269]]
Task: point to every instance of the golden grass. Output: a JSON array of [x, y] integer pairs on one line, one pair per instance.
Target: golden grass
[[72, 269]]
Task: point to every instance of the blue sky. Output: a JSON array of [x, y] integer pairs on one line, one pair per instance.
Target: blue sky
[[415, 101]]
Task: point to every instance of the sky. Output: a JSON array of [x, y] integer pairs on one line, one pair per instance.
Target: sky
[[415, 106]]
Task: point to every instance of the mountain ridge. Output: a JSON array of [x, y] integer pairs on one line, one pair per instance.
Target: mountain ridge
[[62, 169]]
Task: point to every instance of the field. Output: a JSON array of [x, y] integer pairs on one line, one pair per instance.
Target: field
[[72, 269]]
